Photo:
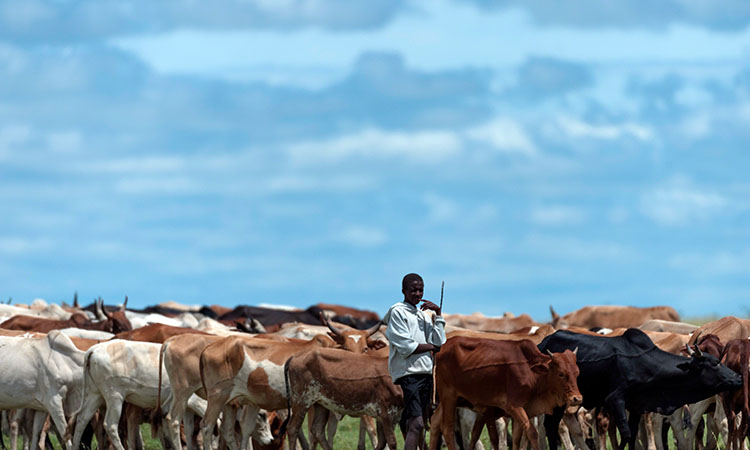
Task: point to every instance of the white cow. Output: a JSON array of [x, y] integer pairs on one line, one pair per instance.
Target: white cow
[[44, 373], [118, 371]]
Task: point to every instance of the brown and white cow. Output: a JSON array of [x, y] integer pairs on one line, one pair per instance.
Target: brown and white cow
[[611, 316], [250, 371], [343, 382], [512, 375]]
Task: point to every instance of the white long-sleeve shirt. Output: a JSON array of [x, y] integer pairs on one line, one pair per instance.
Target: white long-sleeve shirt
[[407, 327]]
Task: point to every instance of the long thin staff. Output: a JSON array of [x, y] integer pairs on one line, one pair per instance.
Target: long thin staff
[[442, 288]]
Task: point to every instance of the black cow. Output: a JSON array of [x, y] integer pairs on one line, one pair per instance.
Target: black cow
[[270, 316], [630, 373]]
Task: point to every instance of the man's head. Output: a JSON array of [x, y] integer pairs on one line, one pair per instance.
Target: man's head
[[413, 288]]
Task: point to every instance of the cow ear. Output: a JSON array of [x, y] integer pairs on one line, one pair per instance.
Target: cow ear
[[540, 368], [375, 344], [337, 338]]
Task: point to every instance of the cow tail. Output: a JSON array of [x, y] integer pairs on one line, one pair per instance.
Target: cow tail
[[157, 415], [284, 424], [70, 428]]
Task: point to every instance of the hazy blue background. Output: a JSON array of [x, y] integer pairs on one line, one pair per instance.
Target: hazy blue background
[[296, 151]]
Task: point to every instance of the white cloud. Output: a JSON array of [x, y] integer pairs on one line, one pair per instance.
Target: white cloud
[[574, 249], [22, 246], [421, 146], [154, 164], [505, 135], [157, 185], [441, 209], [363, 236], [679, 204], [65, 141], [712, 264], [557, 215], [577, 128]]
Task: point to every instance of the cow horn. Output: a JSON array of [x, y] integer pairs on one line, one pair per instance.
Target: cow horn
[[575, 351], [555, 316], [374, 329], [124, 305], [325, 320], [550, 353], [698, 351], [690, 351], [75, 300], [98, 309]]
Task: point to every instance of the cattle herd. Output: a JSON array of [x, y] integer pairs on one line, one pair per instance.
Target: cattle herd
[[215, 377]]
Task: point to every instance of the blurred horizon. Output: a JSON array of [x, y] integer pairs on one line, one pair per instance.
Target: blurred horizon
[[294, 152]]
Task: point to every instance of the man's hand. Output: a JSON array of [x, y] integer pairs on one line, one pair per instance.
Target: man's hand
[[426, 304], [422, 348]]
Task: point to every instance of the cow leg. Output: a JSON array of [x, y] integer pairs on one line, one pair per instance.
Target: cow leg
[[646, 432], [57, 414], [522, 425], [82, 417], [616, 406], [436, 422], [449, 422], [317, 429], [361, 436], [576, 438], [476, 429], [14, 416], [216, 401], [633, 423], [133, 416], [248, 417], [295, 424], [229, 420], [112, 418], [564, 434], [658, 424], [551, 425], [386, 434], [332, 425]]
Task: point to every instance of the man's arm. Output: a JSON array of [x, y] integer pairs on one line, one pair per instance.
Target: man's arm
[[436, 334], [398, 335]]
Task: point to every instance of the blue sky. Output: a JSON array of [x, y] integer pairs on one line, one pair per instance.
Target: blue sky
[[298, 151]]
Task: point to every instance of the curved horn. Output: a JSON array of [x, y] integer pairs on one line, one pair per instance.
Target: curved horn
[[553, 313], [335, 330], [374, 329], [698, 351], [575, 351], [550, 353], [124, 305], [75, 300], [98, 309], [690, 351]]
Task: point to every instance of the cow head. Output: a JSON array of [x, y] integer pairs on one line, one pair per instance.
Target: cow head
[[356, 341], [117, 322], [705, 371], [557, 322], [562, 378], [277, 442]]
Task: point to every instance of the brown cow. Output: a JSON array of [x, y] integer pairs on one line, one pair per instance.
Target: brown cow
[[612, 316], [353, 340], [112, 322], [726, 328], [480, 322], [512, 375], [345, 383], [156, 333], [736, 356], [534, 334], [249, 370]]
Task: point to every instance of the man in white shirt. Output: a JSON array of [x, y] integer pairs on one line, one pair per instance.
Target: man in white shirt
[[413, 338]]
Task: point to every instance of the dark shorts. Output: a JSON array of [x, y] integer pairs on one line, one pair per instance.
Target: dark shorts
[[417, 397]]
